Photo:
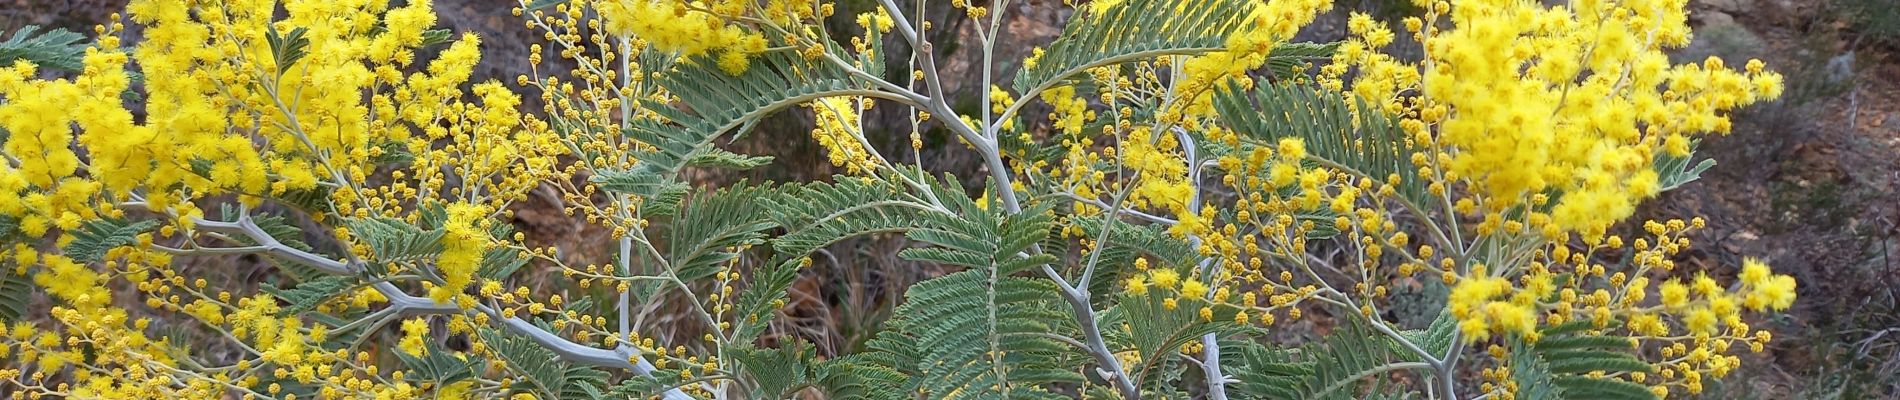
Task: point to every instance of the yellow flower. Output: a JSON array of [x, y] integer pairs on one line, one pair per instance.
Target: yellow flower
[[1674, 294], [1193, 289], [1137, 285], [415, 336], [1754, 272], [1700, 320], [1292, 149], [464, 239], [839, 131], [1165, 278], [1776, 293]]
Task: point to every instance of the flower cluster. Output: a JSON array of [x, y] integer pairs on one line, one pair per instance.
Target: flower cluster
[[692, 29], [1522, 135], [306, 110], [840, 130]]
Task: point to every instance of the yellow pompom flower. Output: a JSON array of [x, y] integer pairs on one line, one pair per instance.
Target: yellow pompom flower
[[1674, 294], [415, 336], [1165, 278], [464, 239], [1193, 289], [1137, 285], [840, 131]]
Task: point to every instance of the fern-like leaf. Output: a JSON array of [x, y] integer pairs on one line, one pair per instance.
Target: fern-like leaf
[[1266, 373], [1568, 363], [975, 237], [439, 367], [1365, 142], [15, 292], [394, 241], [1350, 364], [1286, 58], [1127, 242], [716, 102], [818, 214], [1156, 331], [710, 228], [94, 238], [852, 377], [636, 182], [729, 160], [1673, 172], [775, 373], [760, 300], [542, 369], [978, 335], [55, 49], [1134, 30], [307, 295]]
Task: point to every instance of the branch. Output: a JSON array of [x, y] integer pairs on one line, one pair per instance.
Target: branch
[[1210, 342], [1078, 298], [621, 357]]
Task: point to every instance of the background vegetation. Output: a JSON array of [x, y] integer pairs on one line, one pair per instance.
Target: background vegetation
[[1809, 181]]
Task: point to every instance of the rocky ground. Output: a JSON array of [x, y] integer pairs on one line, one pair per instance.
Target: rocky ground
[[1807, 182]]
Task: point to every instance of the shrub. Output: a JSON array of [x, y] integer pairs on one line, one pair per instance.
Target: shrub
[[1197, 185]]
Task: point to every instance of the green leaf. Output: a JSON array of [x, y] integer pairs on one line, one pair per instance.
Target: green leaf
[[1562, 363], [1285, 59], [1352, 363], [439, 367], [16, 291], [1157, 332], [1436, 338], [711, 229], [316, 200], [501, 262], [818, 214], [1672, 172], [642, 387], [1533, 376], [1578, 387], [307, 295], [1366, 142], [1351, 355], [53, 49], [1127, 242], [543, 4], [94, 238], [1582, 342], [1587, 361], [757, 302], [854, 377], [716, 102], [775, 373], [1134, 30], [978, 335], [1266, 373], [974, 237], [728, 160], [436, 36], [392, 240], [638, 183], [541, 370], [286, 49]]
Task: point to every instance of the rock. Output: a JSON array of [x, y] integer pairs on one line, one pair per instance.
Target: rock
[[1731, 41], [1714, 18], [1733, 6], [1840, 68]]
